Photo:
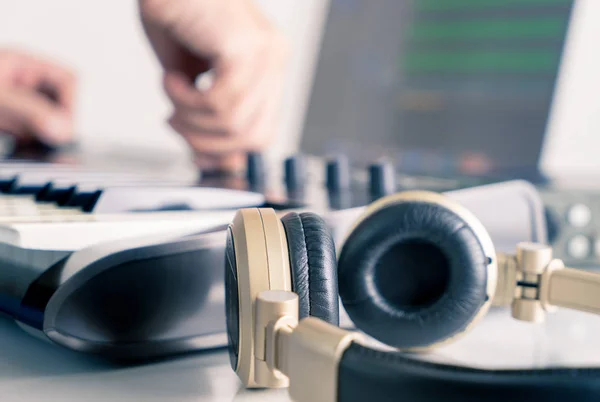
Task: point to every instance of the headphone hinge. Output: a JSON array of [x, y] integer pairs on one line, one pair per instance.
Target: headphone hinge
[[532, 268]]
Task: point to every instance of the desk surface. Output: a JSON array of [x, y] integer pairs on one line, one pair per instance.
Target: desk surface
[[34, 370], [31, 369]]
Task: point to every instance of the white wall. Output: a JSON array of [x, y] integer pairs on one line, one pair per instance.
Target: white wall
[[302, 21], [573, 141], [121, 102]]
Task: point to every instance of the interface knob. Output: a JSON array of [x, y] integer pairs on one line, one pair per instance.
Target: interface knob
[[295, 172], [337, 173], [255, 169], [382, 179]]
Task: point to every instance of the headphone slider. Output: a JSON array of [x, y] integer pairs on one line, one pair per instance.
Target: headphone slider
[[314, 350], [275, 310]]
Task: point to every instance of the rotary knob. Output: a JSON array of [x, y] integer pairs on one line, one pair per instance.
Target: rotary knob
[[295, 172], [337, 175], [382, 179], [255, 169]]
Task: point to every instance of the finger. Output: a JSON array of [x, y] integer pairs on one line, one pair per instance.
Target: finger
[[255, 138], [49, 78], [26, 77], [234, 121], [210, 126], [201, 121], [228, 86], [61, 81], [232, 81], [210, 143], [230, 162], [180, 90], [32, 72], [12, 126], [36, 114], [188, 132]]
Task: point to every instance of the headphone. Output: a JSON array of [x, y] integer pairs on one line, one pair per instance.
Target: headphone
[[417, 270]]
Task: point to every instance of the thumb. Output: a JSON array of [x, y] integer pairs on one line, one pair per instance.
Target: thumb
[[30, 112]]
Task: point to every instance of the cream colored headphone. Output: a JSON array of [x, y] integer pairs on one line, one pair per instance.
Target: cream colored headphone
[[417, 270]]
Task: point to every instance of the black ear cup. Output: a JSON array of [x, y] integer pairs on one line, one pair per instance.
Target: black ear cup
[[313, 265], [413, 274]]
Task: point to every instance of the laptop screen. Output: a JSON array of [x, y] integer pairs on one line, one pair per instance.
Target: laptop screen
[[460, 87]]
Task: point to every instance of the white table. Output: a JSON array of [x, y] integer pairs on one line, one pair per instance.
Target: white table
[[32, 370]]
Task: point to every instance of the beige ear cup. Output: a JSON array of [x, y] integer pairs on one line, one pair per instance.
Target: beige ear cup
[[262, 259]]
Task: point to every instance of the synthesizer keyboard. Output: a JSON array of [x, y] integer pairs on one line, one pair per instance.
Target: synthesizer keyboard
[[49, 209]]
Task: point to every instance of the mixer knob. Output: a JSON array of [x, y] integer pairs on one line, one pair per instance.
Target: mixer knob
[[338, 173], [382, 179], [255, 169], [579, 215], [295, 172]]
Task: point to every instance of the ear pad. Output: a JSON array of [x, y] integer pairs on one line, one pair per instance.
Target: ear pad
[[413, 274], [313, 265]]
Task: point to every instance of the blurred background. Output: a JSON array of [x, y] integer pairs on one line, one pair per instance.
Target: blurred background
[[121, 103], [520, 86]]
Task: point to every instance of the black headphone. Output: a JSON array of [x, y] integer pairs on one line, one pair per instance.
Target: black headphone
[[416, 270]]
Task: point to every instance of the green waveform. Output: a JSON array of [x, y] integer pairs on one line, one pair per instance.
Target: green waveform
[[445, 5], [481, 62], [540, 28]]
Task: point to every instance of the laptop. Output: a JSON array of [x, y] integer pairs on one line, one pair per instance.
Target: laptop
[[444, 88]]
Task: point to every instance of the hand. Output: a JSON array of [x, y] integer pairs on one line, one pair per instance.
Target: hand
[[247, 56], [36, 98]]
